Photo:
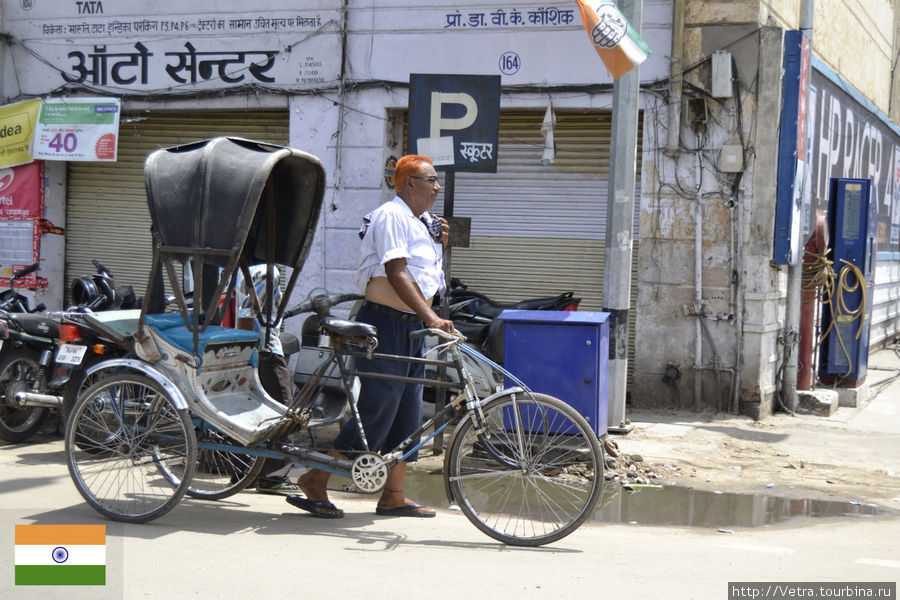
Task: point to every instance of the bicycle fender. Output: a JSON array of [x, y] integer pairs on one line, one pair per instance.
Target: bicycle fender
[[178, 398]]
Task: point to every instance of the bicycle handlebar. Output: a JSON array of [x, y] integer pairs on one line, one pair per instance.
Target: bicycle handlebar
[[455, 336], [320, 301]]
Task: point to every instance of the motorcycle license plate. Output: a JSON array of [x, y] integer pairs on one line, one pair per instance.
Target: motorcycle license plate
[[70, 354]]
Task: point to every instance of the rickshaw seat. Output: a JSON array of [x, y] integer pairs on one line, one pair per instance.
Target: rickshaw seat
[[171, 327], [165, 320]]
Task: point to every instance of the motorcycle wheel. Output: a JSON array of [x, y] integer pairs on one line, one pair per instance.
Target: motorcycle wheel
[[18, 369]]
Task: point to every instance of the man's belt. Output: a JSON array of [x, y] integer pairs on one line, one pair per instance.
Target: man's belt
[[391, 312]]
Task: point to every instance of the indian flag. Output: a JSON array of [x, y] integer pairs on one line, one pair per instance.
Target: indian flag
[[60, 555], [615, 40]]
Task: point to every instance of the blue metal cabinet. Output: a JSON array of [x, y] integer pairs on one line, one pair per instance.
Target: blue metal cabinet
[[561, 353]]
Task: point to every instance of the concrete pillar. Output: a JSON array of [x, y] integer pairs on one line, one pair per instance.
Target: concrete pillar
[[620, 225]]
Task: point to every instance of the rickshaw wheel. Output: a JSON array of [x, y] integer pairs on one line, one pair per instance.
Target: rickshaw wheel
[[220, 473], [79, 383], [123, 436], [530, 474]]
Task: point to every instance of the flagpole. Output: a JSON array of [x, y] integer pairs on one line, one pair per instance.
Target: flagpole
[[620, 228]]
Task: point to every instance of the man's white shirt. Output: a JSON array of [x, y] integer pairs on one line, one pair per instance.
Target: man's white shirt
[[395, 232]]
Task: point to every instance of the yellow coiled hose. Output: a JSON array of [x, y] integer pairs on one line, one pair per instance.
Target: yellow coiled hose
[[818, 274]]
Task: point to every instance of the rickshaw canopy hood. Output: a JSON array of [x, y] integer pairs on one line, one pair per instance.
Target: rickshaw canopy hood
[[224, 204], [207, 195]]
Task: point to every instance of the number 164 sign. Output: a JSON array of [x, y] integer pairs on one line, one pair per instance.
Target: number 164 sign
[[77, 129]]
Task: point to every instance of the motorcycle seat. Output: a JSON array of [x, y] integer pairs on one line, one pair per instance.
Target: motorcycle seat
[[37, 325]]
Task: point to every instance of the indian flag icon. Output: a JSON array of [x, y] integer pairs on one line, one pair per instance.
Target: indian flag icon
[[60, 555]]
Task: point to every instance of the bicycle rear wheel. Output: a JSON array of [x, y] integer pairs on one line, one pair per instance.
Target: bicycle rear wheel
[[533, 476], [220, 472], [124, 435]]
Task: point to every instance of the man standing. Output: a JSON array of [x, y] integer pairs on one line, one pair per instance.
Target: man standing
[[401, 269]]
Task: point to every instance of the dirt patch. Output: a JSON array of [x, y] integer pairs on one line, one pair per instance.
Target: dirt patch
[[785, 456]]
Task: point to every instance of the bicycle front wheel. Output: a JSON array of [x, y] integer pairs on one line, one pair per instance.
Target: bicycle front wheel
[[123, 438], [533, 474]]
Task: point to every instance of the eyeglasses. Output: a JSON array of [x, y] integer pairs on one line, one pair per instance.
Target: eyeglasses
[[432, 179]]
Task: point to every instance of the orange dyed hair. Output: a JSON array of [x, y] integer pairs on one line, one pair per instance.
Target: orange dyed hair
[[406, 166]]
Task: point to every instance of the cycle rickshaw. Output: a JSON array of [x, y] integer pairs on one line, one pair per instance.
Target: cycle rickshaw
[[187, 414]]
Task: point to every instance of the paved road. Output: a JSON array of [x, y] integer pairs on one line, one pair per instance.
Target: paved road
[[256, 546]]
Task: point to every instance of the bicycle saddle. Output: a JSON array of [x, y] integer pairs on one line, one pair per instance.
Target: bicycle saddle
[[347, 329]]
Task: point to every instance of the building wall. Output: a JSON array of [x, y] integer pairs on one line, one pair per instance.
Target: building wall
[[866, 26], [345, 83], [742, 342], [353, 129]]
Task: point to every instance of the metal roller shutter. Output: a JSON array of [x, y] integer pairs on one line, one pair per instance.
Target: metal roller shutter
[[539, 230], [106, 209]]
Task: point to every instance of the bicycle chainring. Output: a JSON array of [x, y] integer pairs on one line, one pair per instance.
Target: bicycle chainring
[[369, 473]]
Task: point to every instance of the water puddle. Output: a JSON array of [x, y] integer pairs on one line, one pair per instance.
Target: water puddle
[[677, 506], [674, 505]]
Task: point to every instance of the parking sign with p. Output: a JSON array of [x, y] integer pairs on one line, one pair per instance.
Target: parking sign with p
[[454, 120]]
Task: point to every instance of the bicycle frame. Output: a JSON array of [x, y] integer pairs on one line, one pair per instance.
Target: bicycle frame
[[436, 424]]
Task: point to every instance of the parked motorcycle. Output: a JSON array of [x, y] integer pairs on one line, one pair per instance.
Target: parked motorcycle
[[12, 301], [100, 291], [43, 358], [475, 315]]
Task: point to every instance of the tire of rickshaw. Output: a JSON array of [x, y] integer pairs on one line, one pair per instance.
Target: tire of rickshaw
[[18, 369], [220, 473], [533, 477], [130, 434], [77, 385]]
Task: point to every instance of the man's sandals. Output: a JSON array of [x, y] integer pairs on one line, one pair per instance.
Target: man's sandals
[[277, 487], [318, 508], [410, 509], [407, 510]]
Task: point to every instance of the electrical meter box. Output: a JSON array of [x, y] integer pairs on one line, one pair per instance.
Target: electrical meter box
[[564, 354], [847, 310]]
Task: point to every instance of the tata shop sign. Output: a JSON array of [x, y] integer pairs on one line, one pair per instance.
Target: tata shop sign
[[454, 120]]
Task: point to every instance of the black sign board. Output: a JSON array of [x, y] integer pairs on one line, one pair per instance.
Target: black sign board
[[455, 120]]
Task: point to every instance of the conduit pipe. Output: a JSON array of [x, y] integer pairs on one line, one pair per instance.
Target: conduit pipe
[[698, 283], [738, 305]]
